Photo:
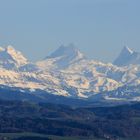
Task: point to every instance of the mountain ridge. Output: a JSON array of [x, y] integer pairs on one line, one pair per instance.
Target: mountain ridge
[[67, 72]]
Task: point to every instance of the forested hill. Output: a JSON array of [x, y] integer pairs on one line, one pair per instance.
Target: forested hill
[[50, 119]]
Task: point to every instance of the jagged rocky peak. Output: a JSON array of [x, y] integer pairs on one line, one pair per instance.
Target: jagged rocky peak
[[17, 55], [69, 50], [9, 57], [127, 50], [62, 58], [127, 57]]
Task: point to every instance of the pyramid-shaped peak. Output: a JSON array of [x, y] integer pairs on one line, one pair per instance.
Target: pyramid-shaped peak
[[126, 57], [126, 49], [64, 57], [68, 50]]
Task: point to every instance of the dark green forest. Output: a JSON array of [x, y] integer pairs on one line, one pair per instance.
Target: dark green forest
[[61, 120]]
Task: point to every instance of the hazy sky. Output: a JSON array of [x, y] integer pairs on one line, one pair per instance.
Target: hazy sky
[[99, 28]]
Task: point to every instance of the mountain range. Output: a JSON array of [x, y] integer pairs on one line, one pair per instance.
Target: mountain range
[[68, 72]]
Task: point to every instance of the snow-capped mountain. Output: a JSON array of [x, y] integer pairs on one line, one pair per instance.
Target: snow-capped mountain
[[11, 59], [68, 72], [127, 57], [62, 58]]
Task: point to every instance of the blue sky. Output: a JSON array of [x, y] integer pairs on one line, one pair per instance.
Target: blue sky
[[99, 28]]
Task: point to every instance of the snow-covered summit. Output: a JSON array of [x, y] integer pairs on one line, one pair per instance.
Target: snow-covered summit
[[63, 57], [126, 49], [66, 51], [127, 57], [11, 58]]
